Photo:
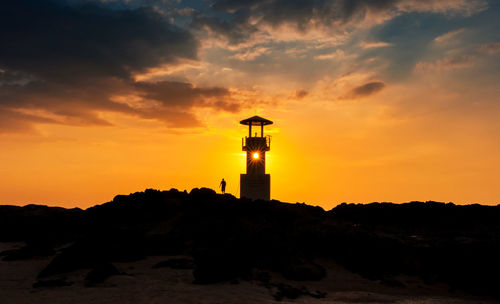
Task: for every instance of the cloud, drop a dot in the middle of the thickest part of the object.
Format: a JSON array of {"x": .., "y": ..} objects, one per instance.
[
  {"x": 461, "y": 60},
  {"x": 184, "y": 95},
  {"x": 366, "y": 89},
  {"x": 447, "y": 63},
  {"x": 300, "y": 94},
  {"x": 450, "y": 35},
  {"x": 243, "y": 18},
  {"x": 338, "y": 54},
  {"x": 301, "y": 13},
  {"x": 50, "y": 39},
  {"x": 374, "y": 44},
  {"x": 490, "y": 48},
  {"x": 249, "y": 54},
  {"x": 66, "y": 62},
  {"x": 282, "y": 31},
  {"x": 237, "y": 30},
  {"x": 168, "y": 102},
  {"x": 14, "y": 121},
  {"x": 450, "y": 7}
]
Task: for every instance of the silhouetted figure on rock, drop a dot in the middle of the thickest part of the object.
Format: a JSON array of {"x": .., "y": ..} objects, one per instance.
[{"x": 223, "y": 186}]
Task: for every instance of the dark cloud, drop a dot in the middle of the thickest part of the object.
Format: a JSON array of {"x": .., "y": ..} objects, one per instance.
[
  {"x": 325, "y": 12},
  {"x": 53, "y": 39},
  {"x": 240, "y": 17},
  {"x": 73, "y": 59},
  {"x": 10, "y": 77},
  {"x": 366, "y": 89},
  {"x": 66, "y": 61},
  {"x": 80, "y": 105},
  {"x": 172, "y": 93},
  {"x": 299, "y": 94},
  {"x": 236, "y": 30},
  {"x": 13, "y": 121},
  {"x": 177, "y": 97}
]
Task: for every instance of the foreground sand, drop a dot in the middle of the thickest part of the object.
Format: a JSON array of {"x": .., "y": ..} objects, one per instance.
[{"x": 143, "y": 284}]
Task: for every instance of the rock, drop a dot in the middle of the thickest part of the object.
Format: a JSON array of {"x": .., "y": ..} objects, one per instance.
[
  {"x": 100, "y": 273},
  {"x": 302, "y": 270},
  {"x": 392, "y": 282},
  {"x": 262, "y": 276},
  {"x": 93, "y": 252},
  {"x": 27, "y": 252},
  {"x": 182, "y": 263},
  {"x": 52, "y": 283},
  {"x": 291, "y": 292},
  {"x": 219, "y": 264}
]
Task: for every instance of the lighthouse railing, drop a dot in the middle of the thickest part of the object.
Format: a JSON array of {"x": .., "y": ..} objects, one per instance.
[{"x": 251, "y": 140}]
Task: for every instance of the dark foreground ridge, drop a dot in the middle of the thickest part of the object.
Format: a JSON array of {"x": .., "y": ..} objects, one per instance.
[{"x": 231, "y": 239}]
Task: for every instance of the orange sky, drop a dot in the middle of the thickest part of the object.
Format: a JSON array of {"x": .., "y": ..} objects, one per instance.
[{"x": 394, "y": 105}]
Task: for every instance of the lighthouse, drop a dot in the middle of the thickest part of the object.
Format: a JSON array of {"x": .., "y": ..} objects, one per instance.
[{"x": 256, "y": 184}]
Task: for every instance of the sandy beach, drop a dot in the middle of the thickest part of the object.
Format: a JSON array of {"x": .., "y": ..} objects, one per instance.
[{"x": 142, "y": 284}]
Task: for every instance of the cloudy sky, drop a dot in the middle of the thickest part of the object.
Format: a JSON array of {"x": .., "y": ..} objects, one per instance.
[{"x": 373, "y": 100}]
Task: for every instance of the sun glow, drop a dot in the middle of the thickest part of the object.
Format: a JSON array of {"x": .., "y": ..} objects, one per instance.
[{"x": 256, "y": 155}]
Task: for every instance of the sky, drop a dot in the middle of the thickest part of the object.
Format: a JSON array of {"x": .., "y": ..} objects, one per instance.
[{"x": 372, "y": 100}]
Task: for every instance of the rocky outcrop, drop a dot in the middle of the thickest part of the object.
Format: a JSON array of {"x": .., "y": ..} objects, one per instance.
[{"x": 229, "y": 238}]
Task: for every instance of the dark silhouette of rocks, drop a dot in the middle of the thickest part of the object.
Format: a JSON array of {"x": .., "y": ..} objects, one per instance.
[
  {"x": 100, "y": 273},
  {"x": 91, "y": 252},
  {"x": 51, "y": 283},
  {"x": 27, "y": 252},
  {"x": 285, "y": 291},
  {"x": 232, "y": 239},
  {"x": 303, "y": 270},
  {"x": 181, "y": 263}
]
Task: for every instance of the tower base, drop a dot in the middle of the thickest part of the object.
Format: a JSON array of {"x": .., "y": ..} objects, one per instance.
[{"x": 255, "y": 186}]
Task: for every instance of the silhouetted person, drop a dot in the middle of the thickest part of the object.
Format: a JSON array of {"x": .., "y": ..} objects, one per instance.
[{"x": 223, "y": 186}]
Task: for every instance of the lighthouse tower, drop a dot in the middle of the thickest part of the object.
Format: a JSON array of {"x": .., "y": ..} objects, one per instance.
[{"x": 256, "y": 184}]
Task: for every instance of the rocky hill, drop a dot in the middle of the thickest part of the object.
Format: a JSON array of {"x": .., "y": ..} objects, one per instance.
[{"x": 226, "y": 239}]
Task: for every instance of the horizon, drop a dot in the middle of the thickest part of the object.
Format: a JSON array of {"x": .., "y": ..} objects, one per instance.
[
  {"x": 372, "y": 101},
  {"x": 333, "y": 206}
]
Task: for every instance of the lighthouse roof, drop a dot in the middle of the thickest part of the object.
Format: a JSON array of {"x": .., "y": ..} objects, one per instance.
[{"x": 256, "y": 121}]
